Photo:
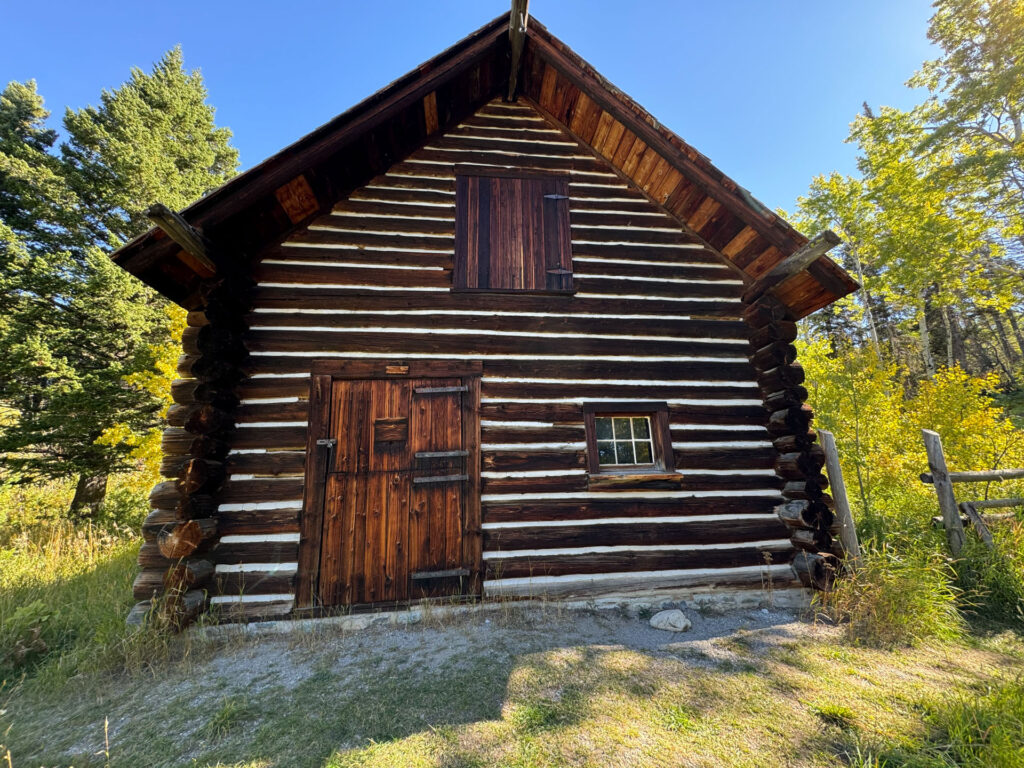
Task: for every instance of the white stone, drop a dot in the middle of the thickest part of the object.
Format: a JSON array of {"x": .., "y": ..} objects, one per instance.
[{"x": 671, "y": 621}]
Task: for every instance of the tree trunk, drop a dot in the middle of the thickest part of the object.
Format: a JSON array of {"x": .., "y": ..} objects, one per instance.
[
  {"x": 1016, "y": 330},
  {"x": 868, "y": 314},
  {"x": 926, "y": 339},
  {"x": 89, "y": 495},
  {"x": 949, "y": 337},
  {"x": 957, "y": 338},
  {"x": 991, "y": 318}
]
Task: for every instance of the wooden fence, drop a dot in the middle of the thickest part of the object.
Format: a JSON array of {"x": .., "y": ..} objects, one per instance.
[{"x": 954, "y": 515}]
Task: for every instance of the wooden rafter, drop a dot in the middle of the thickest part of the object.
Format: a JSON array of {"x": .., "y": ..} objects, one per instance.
[
  {"x": 517, "y": 39},
  {"x": 800, "y": 260},
  {"x": 184, "y": 234}
]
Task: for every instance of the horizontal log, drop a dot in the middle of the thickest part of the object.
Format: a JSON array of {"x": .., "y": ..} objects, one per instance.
[
  {"x": 615, "y": 562},
  {"x": 247, "y": 612},
  {"x": 647, "y": 326},
  {"x": 572, "y": 412},
  {"x": 327, "y": 275},
  {"x": 292, "y": 386},
  {"x": 181, "y": 577},
  {"x": 581, "y": 482},
  {"x": 996, "y": 503},
  {"x": 272, "y": 463},
  {"x": 296, "y": 297},
  {"x": 800, "y": 464},
  {"x": 810, "y": 488},
  {"x": 639, "y": 533},
  {"x": 298, "y": 411},
  {"x": 814, "y": 570},
  {"x": 797, "y": 514},
  {"x": 781, "y": 377},
  {"x": 718, "y": 458},
  {"x": 178, "y": 540},
  {"x": 592, "y": 509},
  {"x": 244, "y": 491},
  {"x": 781, "y": 331},
  {"x": 785, "y": 398},
  {"x": 625, "y": 390},
  {"x": 261, "y": 521},
  {"x": 304, "y": 340},
  {"x": 200, "y": 476},
  {"x": 253, "y": 583},
  {"x": 773, "y": 355},
  {"x": 795, "y": 442},
  {"x": 985, "y": 475},
  {"x": 793, "y": 420},
  {"x": 271, "y": 438},
  {"x": 765, "y": 312},
  {"x": 217, "y": 341},
  {"x": 356, "y": 255}
]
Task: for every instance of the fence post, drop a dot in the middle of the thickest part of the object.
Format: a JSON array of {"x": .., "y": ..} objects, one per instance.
[
  {"x": 944, "y": 490},
  {"x": 847, "y": 530}
]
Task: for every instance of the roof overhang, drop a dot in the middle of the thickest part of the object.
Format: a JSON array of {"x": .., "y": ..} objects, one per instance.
[{"x": 260, "y": 207}]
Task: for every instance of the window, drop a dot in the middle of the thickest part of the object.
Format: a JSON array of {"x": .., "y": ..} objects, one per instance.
[
  {"x": 512, "y": 233},
  {"x": 628, "y": 439},
  {"x": 624, "y": 440}
]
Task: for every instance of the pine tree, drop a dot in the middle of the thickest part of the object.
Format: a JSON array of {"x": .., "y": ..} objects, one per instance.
[{"x": 78, "y": 333}]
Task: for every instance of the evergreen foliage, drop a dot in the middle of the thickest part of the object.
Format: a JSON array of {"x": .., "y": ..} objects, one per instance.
[{"x": 81, "y": 340}]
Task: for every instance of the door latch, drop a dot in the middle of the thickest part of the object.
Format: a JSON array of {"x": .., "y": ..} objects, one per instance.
[
  {"x": 329, "y": 442},
  {"x": 556, "y": 197}
]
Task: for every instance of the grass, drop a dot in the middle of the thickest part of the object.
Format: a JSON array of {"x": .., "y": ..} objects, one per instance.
[
  {"x": 519, "y": 695},
  {"x": 922, "y": 671}
]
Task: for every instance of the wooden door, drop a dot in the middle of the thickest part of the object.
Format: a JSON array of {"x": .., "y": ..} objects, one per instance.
[{"x": 399, "y": 471}]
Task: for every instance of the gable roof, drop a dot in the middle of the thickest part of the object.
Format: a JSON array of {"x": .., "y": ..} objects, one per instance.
[{"x": 260, "y": 207}]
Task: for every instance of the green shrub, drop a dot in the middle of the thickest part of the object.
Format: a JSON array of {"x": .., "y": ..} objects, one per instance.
[{"x": 897, "y": 598}]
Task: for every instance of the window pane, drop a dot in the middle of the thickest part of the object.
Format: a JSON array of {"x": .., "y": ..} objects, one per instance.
[
  {"x": 624, "y": 452},
  {"x": 604, "y": 428},
  {"x": 641, "y": 427},
  {"x": 643, "y": 453},
  {"x": 622, "y": 429},
  {"x": 606, "y": 452}
]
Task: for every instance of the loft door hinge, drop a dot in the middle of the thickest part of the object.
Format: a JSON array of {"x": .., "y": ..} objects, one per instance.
[{"x": 329, "y": 442}]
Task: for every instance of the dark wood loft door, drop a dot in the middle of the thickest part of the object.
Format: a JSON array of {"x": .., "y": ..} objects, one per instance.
[{"x": 398, "y": 464}]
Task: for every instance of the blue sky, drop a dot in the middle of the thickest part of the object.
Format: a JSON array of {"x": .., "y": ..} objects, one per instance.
[{"x": 765, "y": 89}]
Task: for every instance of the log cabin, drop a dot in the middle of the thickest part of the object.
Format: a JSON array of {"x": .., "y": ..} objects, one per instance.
[{"x": 493, "y": 332}]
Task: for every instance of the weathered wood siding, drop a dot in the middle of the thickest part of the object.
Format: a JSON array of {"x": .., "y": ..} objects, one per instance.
[{"x": 655, "y": 317}]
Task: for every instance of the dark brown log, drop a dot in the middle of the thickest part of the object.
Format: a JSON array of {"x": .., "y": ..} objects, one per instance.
[
  {"x": 765, "y": 312},
  {"x": 214, "y": 340},
  {"x": 164, "y": 495},
  {"x": 781, "y": 377},
  {"x": 785, "y": 398},
  {"x": 781, "y": 331},
  {"x": 180, "y": 610},
  {"x": 773, "y": 355},
  {"x": 181, "y": 577},
  {"x": 196, "y": 318},
  {"x": 178, "y": 540},
  {"x": 800, "y": 464},
  {"x": 198, "y": 505},
  {"x": 535, "y": 511},
  {"x": 254, "y": 583},
  {"x": 207, "y": 447},
  {"x": 182, "y": 391},
  {"x": 206, "y": 419},
  {"x": 796, "y": 514},
  {"x": 806, "y": 540},
  {"x": 814, "y": 570},
  {"x": 634, "y": 533},
  {"x": 621, "y": 562},
  {"x": 794, "y": 420},
  {"x": 797, "y": 442},
  {"x": 804, "y": 489},
  {"x": 200, "y": 476}
]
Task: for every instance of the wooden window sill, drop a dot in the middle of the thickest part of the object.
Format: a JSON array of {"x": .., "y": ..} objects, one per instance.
[{"x": 634, "y": 481}]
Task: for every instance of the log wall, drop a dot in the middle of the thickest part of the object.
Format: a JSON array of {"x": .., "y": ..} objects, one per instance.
[{"x": 656, "y": 316}]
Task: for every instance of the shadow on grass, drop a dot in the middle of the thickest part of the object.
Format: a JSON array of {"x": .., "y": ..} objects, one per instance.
[{"x": 402, "y": 697}]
